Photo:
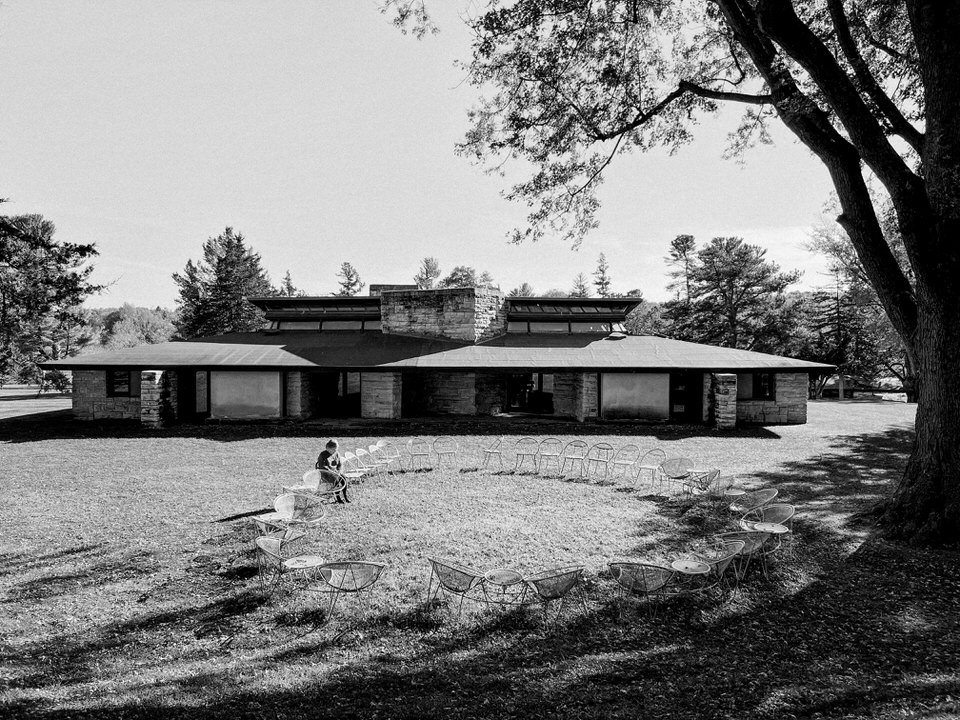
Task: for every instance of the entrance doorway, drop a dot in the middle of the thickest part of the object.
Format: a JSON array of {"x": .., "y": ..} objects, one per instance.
[
  {"x": 686, "y": 397},
  {"x": 530, "y": 393}
]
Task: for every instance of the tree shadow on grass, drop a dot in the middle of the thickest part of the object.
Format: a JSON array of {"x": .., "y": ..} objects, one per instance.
[{"x": 116, "y": 567}]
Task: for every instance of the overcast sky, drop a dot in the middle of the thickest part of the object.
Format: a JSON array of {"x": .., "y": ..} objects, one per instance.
[{"x": 323, "y": 134}]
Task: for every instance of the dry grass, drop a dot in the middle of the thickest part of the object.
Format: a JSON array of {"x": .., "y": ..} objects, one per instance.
[{"x": 126, "y": 594}]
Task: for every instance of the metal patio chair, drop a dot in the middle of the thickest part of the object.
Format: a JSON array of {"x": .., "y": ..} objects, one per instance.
[
  {"x": 718, "y": 556},
  {"x": 776, "y": 514},
  {"x": 753, "y": 500},
  {"x": 378, "y": 456},
  {"x": 599, "y": 456},
  {"x": 625, "y": 461},
  {"x": 367, "y": 464},
  {"x": 419, "y": 450},
  {"x": 550, "y": 449},
  {"x": 647, "y": 580},
  {"x": 274, "y": 562},
  {"x": 324, "y": 484},
  {"x": 554, "y": 585},
  {"x": 351, "y": 469},
  {"x": 390, "y": 453},
  {"x": 675, "y": 470},
  {"x": 574, "y": 453},
  {"x": 526, "y": 447},
  {"x": 702, "y": 483},
  {"x": 753, "y": 543},
  {"x": 346, "y": 577},
  {"x": 446, "y": 448},
  {"x": 454, "y": 579},
  {"x": 494, "y": 449},
  {"x": 649, "y": 464}
]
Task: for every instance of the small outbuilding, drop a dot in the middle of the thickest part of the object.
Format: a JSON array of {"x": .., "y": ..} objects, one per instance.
[{"x": 466, "y": 351}]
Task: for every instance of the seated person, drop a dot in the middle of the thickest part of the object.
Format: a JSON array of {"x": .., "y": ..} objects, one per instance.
[{"x": 329, "y": 460}]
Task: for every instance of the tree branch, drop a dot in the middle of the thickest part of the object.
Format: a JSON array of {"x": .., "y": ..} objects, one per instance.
[
  {"x": 868, "y": 82},
  {"x": 701, "y": 91}
]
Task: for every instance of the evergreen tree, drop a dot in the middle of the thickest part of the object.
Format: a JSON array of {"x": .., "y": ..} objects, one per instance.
[
  {"x": 350, "y": 284},
  {"x": 42, "y": 284},
  {"x": 213, "y": 291},
  {"x": 681, "y": 258},
  {"x": 288, "y": 289},
  {"x": 601, "y": 276},
  {"x": 525, "y": 290},
  {"x": 737, "y": 299},
  {"x": 429, "y": 273},
  {"x": 580, "y": 287}
]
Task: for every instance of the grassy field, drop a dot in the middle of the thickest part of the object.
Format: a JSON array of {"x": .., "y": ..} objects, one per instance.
[{"x": 127, "y": 591}]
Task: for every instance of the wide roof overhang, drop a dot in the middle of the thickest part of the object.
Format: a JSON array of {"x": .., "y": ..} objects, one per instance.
[{"x": 371, "y": 351}]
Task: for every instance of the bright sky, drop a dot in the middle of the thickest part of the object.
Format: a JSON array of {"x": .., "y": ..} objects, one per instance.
[{"x": 323, "y": 134}]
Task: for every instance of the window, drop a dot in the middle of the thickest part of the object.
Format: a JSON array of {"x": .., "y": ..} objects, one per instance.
[
  {"x": 517, "y": 327},
  {"x": 590, "y": 327},
  {"x": 549, "y": 327},
  {"x": 298, "y": 325},
  {"x": 343, "y": 325},
  {"x": 371, "y": 325},
  {"x": 122, "y": 383},
  {"x": 756, "y": 386}
]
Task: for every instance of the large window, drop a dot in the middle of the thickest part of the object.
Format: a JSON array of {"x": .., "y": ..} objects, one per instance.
[
  {"x": 123, "y": 383},
  {"x": 756, "y": 386}
]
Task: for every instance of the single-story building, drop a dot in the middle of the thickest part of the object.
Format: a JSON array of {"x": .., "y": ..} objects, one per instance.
[{"x": 466, "y": 351}]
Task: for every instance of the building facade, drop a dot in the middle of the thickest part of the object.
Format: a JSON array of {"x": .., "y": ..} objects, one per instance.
[{"x": 466, "y": 351}]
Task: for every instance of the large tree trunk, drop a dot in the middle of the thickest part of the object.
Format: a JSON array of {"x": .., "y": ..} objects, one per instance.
[{"x": 926, "y": 505}]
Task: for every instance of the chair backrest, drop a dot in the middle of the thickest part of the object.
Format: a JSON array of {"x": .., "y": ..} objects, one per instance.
[
  {"x": 640, "y": 577},
  {"x": 295, "y": 506},
  {"x": 551, "y": 447},
  {"x": 455, "y": 578},
  {"x": 705, "y": 481},
  {"x": 779, "y": 513},
  {"x": 653, "y": 458},
  {"x": 677, "y": 467},
  {"x": 718, "y": 556},
  {"x": 311, "y": 477},
  {"x": 601, "y": 451},
  {"x": 556, "y": 583},
  {"x": 445, "y": 445},
  {"x": 755, "y": 499},
  {"x": 331, "y": 482},
  {"x": 351, "y": 575},
  {"x": 575, "y": 450},
  {"x": 526, "y": 446},
  {"x": 269, "y": 550},
  {"x": 389, "y": 450},
  {"x": 265, "y": 527},
  {"x": 752, "y": 540},
  {"x": 495, "y": 446},
  {"x": 627, "y": 455},
  {"x": 418, "y": 446}
]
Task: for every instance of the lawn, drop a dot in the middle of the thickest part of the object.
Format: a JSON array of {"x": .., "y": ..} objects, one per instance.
[{"x": 128, "y": 591}]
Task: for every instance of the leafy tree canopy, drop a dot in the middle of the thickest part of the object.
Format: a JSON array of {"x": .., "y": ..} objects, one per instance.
[
  {"x": 463, "y": 276},
  {"x": 350, "y": 283}
]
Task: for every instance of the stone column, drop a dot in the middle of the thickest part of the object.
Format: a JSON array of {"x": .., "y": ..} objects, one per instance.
[
  {"x": 150, "y": 381},
  {"x": 724, "y": 395},
  {"x": 587, "y": 396},
  {"x": 380, "y": 395}
]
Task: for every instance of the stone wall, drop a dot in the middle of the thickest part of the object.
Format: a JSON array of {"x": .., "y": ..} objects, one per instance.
[
  {"x": 576, "y": 395},
  {"x": 158, "y": 397},
  {"x": 707, "y": 397},
  {"x": 90, "y": 401},
  {"x": 469, "y": 314},
  {"x": 380, "y": 395},
  {"x": 449, "y": 393},
  {"x": 588, "y": 396},
  {"x": 789, "y": 408},
  {"x": 724, "y": 400},
  {"x": 491, "y": 393}
]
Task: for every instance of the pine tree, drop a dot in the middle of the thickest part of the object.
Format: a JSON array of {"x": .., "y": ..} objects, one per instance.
[
  {"x": 287, "y": 288},
  {"x": 601, "y": 276},
  {"x": 580, "y": 287},
  {"x": 525, "y": 290},
  {"x": 429, "y": 273},
  {"x": 213, "y": 291},
  {"x": 350, "y": 284}
]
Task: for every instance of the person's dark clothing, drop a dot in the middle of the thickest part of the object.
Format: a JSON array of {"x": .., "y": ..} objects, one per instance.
[{"x": 331, "y": 461}]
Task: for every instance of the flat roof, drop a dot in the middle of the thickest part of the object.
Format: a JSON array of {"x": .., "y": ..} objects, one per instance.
[{"x": 306, "y": 350}]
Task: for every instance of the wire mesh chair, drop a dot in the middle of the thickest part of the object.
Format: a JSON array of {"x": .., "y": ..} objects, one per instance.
[
  {"x": 753, "y": 500},
  {"x": 454, "y": 579},
  {"x": 274, "y": 561},
  {"x": 390, "y": 453},
  {"x": 625, "y": 461},
  {"x": 599, "y": 456},
  {"x": 702, "y": 483},
  {"x": 649, "y": 465},
  {"x": 776, "y": 514},
  {"x": 753, "y": 543},
  {"x": 298, "y": 509},
  {"x": 446, "y": 448},
  {"x": 419, "y": 450},
  {"x": 377, "y": 456},
  {"x": 644, "y": 579},
  {"x": 367, "y": 464},
  {"x": 494, "y": 449},
  {"x": 288, "y": 535},
  {"x": 554, "y": 585},
  {"x": 324, "y": 484},
  {"x": 347, "y": 577},
  {"x": 574, "y": 453},
  {"x": 351, "y": 468},
  {"x": 718, "y": 556},
  {"x": 526, "y": 447},
  {"x": 550, "y": 449},
  {"x": 675, "y": 470}
]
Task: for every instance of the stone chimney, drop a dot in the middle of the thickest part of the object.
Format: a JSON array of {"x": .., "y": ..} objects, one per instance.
[{"x": 468, "y": 314}]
